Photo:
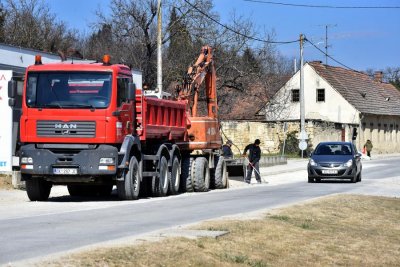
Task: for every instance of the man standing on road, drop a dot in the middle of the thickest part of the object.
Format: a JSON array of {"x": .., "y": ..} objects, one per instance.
[{"x": 254, "y": 158}]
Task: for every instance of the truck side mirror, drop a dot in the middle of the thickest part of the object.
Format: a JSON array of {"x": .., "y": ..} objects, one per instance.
[
  {"x": 11, "y": 102},
  {"x": 12, "y": 89},
  {"x": 131, "y": 91}
]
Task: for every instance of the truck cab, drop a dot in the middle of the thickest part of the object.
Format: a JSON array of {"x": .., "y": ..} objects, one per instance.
[{"x": 74, "y": 120}]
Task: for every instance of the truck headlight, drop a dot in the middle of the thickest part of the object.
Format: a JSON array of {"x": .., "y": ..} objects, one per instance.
[
  {"x": 349, "y": 163},
  {"x": 107, "y": 161},
  {"x": 26, "y": 160},
  {"x": 313, "y": 163}
]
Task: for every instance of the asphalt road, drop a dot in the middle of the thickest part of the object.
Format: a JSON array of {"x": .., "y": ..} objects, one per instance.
[{"x": 37, "y": 229}]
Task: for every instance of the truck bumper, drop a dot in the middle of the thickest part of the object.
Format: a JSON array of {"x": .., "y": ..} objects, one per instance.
[{"x": 68, "y": 161}]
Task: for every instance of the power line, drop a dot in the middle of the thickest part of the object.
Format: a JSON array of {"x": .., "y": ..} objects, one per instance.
[
  {"x": 237, "y": 32},
  {"x": 316, "y": 47},
  {"x": 322, "y": 6}
]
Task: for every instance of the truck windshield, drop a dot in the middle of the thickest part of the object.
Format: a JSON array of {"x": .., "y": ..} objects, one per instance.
[{"x": 68, "y": 90}]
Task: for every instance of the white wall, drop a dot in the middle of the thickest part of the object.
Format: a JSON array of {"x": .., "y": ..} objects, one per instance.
[
  {"x": 6, "y": 123},
  {"x": 21, "y": 57},
  {"x": 334, "y": 109}
]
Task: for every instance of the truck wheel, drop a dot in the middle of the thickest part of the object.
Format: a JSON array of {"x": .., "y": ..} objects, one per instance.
[
  {"x": 38, "y": 189},
  {"x": 221, "y": 174},
  {"x": 160, "y": 183},
  {"x": 175, "y": 180},
  {"x": 186, "y": 175},
  {"x": 129, "y": 188},
  {"x": 201, "y": 175}
]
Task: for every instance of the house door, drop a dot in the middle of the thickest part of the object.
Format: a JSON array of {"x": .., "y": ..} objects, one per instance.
[{"x": 343, "y": 135}]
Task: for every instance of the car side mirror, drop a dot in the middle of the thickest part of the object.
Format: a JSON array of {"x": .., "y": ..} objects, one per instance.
[
  {"x": 358, "y": 155},
  {"x": 131, "y": 91}
]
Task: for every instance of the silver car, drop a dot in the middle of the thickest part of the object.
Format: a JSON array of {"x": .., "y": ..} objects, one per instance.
[{"x": 335, "y": 160}]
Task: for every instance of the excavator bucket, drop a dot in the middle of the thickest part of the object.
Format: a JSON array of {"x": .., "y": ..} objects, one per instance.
[{"x": 236, "y": 169}]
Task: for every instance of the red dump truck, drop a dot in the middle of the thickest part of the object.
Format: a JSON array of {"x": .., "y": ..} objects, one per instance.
[{"x": 88, "y": 127}]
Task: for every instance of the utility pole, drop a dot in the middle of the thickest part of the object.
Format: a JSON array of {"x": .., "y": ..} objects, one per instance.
[
  {"x": 303, "y": 135},
  {"x": 159, "y": 52}
]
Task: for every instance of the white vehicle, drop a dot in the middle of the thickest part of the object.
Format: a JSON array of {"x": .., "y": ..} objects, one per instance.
[{"x": 6, "y": 140}]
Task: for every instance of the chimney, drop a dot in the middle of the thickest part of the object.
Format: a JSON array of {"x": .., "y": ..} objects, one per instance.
[{"x": 378, "y": 75}]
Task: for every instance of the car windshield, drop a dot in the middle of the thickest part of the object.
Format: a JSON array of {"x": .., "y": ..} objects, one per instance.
[
  {"x": 333, "y": 149},
  {"x": 68, "y": 90}
]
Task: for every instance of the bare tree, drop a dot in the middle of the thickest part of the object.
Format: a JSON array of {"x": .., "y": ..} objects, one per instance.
[
  {"x": 29, "y": 23},
  {"x": 246, "y": 70},
  {"x": 2, "y": 22},
  {"x": 392, "y": 75}
]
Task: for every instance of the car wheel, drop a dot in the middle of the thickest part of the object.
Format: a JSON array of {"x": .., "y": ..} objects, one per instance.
[
  {"x": 310, "y": 180},
  {"x": 354, "y": 178},
  {"x": 359, "y": 177}
]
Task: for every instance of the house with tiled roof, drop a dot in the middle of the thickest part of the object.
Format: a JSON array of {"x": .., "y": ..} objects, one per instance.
[{"x": 337, "y": 101}]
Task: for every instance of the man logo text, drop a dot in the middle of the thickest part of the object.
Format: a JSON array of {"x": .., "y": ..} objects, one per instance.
[{"x": 65, "y": 126}]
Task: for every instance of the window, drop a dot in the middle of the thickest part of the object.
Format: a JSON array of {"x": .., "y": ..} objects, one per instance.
[
  {"x": 79, "y": 90},
  {"x": 122, "y": 91},
  {"x": 320, "y": 95},
  {"x": 295, "y": 95}
]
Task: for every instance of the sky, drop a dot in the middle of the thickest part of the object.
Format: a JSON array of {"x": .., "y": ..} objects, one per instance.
[{"x": 358, "y": 38}]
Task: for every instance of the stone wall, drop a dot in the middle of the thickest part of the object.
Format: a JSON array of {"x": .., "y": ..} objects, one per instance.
[
  {"x": 272, "y": 134},
  {"x": 383, "y": 131}
]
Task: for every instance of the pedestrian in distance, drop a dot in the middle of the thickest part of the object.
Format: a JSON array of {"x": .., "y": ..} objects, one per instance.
[
  {"x": 226, "y": 149},
  {"x": 368, "y": 147},
  {"x": 254, "y": 160}
]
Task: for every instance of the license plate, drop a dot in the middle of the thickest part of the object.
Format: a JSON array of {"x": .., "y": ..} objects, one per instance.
[
  {"x": 329, "y": 171},
  {"x": 65, "y": 171}
]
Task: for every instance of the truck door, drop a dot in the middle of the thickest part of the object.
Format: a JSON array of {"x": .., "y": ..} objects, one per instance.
[{"x": 126, "y": 116}]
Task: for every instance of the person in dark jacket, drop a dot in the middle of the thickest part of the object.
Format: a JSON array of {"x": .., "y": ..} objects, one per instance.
[
  {"x": 226, "y": 149},
  {"x": 254, "y": 159},
  {"x": 368, "y": 147}
]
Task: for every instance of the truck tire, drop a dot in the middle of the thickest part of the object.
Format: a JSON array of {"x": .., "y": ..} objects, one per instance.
[
  {"x": 175, "y": 179},
  {"x": 129, "y": 188},
  {"x": 201, "y": 175},
  {"x": 186, "y": 175},
  {"x": 221, "y": 174},
  {"x": 160, "y": 183},
  {"x": 38, "y": 189}
]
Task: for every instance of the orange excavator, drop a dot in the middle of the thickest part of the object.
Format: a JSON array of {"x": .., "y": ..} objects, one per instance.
[{"x": 204, "y": 131}]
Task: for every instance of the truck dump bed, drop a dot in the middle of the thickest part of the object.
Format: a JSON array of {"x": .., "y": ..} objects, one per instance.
[{"x": 160, "y": 118}]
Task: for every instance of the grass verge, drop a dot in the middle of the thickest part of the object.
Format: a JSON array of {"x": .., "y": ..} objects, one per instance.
[
  {"x": 342, "y": 230},
  {"x": 6, "y": 182}
]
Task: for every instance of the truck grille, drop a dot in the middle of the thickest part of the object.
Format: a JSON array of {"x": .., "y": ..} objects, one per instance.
[{"x": 66, "y": 129}]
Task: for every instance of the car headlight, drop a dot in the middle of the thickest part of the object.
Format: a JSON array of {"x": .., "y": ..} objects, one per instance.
[
  {"x": 313, "y": 163},
  {"x": 349, "y": 163},
  {"x": 107, "y": 161},
  {"x": 26, "y": 160}
]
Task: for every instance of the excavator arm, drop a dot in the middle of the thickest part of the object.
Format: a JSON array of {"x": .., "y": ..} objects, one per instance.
[{"x": 202, "y": 69}]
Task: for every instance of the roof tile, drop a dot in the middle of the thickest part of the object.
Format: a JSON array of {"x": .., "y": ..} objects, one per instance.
[{"x": 365, "y": 94}]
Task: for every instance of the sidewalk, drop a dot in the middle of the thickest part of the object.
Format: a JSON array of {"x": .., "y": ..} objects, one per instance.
[{"x": 280, "y": 174}]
